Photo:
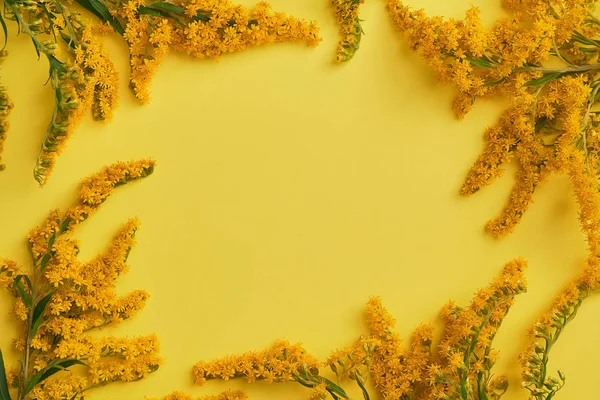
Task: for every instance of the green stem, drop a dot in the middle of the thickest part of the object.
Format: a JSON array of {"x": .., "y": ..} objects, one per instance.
[
  {"x": 550, "y": 340},
  {"x": 27, "y": 352},
  {"x": 363, "y": 388},
  {"x": 564, "y": 70}
]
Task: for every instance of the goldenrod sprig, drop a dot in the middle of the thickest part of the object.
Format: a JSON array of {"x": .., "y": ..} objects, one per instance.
[
  {"x": 6, "y": 106},
  {"x": 346, "y": 13},
  {"x": 63, "y": 299},
  {"x": 229, "y": 395},
  {"x": 548, "y": 329},
  {"x": 354, "y": 363},
  {"x": 82, "y": 75},
  {"x": 458, "y": 368}
]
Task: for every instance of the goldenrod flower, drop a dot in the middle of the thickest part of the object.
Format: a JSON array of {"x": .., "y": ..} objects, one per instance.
[
  {"x": 550, "y": 117},
  {"x": 63, "y": 299},
  {"x": 6, "y": 106},
  {"x": 283, "y": 362},
  {"x": 346, "y": 13},
  {"x": 211, "y": 28},
  {"x": 464, "y": 357},
  {"x": 83, "y": 77},
  {"x": 229, "y": 395}
]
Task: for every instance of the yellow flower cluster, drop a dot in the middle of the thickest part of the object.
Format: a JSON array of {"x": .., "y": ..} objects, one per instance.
[
  {"x": 8, "y": 271},
  {"x": 281, "y": 363},
  {"x": 96, "y": 188},
  {"x": 6, "y": 106},
  {"x": 88, "y": 80},
  {"x": 464, "y": 357},
  {"x": 547, "y": 330},
  {"x": 459, "y": 367},
  {"x": 290, "y": 363},
  {"x": 55, "y": 389},
  {"x": 353, "y": 362},
  {"x": 82, "y": 75},
  {"x": 551, "y": 125},
  {"x": 549, "y": 117},
  {"x": 346, "y": 13},
  {"x": 229, "y": 395},
  {"x": 396, "y": 371},
  {"x": 211, "y": 28},
  {"x": 63, "y": 299}
]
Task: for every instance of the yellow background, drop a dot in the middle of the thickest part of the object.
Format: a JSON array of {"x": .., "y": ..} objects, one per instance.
[{"x": 289, "y": 190}]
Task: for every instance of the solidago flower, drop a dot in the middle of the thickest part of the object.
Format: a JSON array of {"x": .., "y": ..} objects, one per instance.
[
  {"x": 550, "y": 115},
  {"x": 6, "y": 106},
  {"x": 459, "y": 367},
  {"x": 285, "y": 362},
  {"x": 396, "y": 370},
  {"x": 229, "y": 395},
  {"x": 201, "y": 28},
  {"x": 83, "y": 77},
  {"x": 81, "y": 74},
  {"x": 62, "y": 299},
  {"x": 550, "y": 126},
  {"x": 346, "y": 13},
  {"x": 281, "y": 363},
  {"x": 351, "y": 363},
  {"x": 548, "y": 328}
]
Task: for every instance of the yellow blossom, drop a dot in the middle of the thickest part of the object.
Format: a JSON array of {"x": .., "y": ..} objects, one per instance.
[{"x": 62, "y": 299}]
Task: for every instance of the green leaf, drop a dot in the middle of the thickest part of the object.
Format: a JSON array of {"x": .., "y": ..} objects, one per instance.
[
  {"x": 52, "y": 239},
  {"x": 65, "y": 224},
  {"x": 56, "y": 64},
  {"x": 4, "y": 28},
  {"x": 59, "y": 97},
  {"x": 26, "y": 297},
  {"x": 45, "y": 260},
  {"x": 365, "y": 391},
  {"x": 496, "y": 83},
  {"x": 69, "y": 363},
  {"x": 4, "y": 394},
  {"x": 167, "y": 7},
  {"x": 143, "y": 10},
  {"x": 68, "y": 40},
  {"x": 154, "y": 12},
  {"x": 36, "y": 48},
  {"x": 479, "y": 63},
  {"x": 332, "y": 387},
  {"x": 98, "y": 8},
  {"x": 201, "y": 17},
  {"x": 52, "y": 369},
  {"x": 40, "y": 307},
  {"x": 544, "y": 79},
  {"x": 26, "y": 278},
  {"x": 463, "y": 390}
]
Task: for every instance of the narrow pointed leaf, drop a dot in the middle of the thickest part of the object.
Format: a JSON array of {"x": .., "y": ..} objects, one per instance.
[
  {"x": 99, "y": 9},
  {"x": 4, "y": 395},
  {"x": 479, "y": 63},
  {"x": 544, "y": 79},
  {"x": 56, "y": 64},
  {"x": 5, "y": 30},
  {"x": 26, "y": 297},
  {"x": 40, "y": 307},
  {"x": 45, "y": 260},
  {"x": 167, "y": 7}
]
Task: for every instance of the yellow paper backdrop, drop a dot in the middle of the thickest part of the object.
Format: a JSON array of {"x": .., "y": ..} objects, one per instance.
[{"x": 289, "y": 190}]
